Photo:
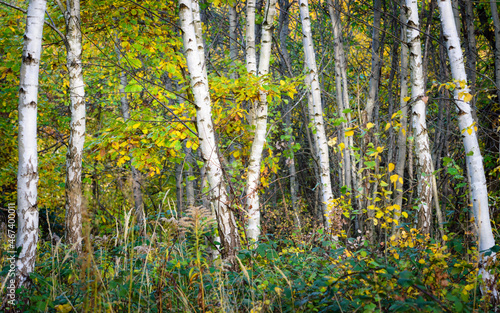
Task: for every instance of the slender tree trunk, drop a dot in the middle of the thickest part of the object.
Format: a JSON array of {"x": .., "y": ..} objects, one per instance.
[
  {"x": 286, "y": 64},
  {"x": 77, "y": 129},
  {"x": 228, "y": 231},
  {"x": 376, "y": 65},
  {"x": 179, "y": 190},
  {"x": 190, "y": 201},
  {"x": 342, "y": 89},
  {"x": 496, "y": 24},
  {"x": 253, "y": 180},
  {"x": 233, "y": 44},
  {"x": 400, "y": 165},
  {"x": 479, "y": 192},
  {"x": 333, "y": 215},
  {"x": 251, "y": 56},
  {"x": 419, "y": 101},
  {"x": 27, "y": 173},
  {"x": 136, "y": 175}
]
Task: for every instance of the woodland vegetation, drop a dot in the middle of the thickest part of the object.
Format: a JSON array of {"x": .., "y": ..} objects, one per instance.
[{"x": 249, "y": 156}]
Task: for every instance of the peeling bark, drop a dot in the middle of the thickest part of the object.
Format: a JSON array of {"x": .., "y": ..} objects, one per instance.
[
  {"x": 333, "y": 215},
  {"x": 419, "y": 101},
  {"x": 27, "y": 173},
  {"x": 260, "y": 122},
  {"x": 474, "y": 160},
  {"x": 228, "y": 231}
]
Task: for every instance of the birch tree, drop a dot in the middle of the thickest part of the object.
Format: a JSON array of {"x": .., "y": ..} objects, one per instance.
[
  {"x": 419, "y": 100},
  {"x": 228, "y": 231},
  {"x": 474, "y": 160},
  {"x": 73, "y": 221},
  {"x": 27, "y": 173},
  {"x": 342, "y": 90},
  {"x": 312, "y": 82},
  {"x": 260, "y": 122}
]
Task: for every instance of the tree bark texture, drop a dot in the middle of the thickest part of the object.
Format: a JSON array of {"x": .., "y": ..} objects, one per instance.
[{"x": 27, "y": 173}]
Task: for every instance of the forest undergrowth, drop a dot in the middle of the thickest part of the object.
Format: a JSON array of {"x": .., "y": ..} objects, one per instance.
[{"x": 175, "y": 268}]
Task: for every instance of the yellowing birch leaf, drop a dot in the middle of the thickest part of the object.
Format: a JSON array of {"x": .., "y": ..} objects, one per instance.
[
  {"x": 369, "y": 125},
  {"x": 387, "y": 126},
  {"x": 349, "y": 133},
  {"x": 394, "y": 178},
  {"x": 404, "y": 214},
  {"x": 469, "y": 131},
  {"x": 406, "y": 99},
  {"x": 391, "y": 167}
]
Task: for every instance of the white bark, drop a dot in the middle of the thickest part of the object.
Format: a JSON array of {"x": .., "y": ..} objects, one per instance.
[
  {"x": 199, "y": 84},
  {"x": 342, "y": 88},
  {"x": 251, "y": 54},
  {"x": 250, "y": 38},
  {"x": 27, "y": 173},
  {"x": 77, "y": 127},
  {"x": 418, "y": 100},
  {"x": 332, "y": 216},
  {"x": 253, "y": 179},
  {"x": 479, "y": 192}
]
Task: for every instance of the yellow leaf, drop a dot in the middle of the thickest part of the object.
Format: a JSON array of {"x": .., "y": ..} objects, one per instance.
[
  {"x": 404, "y": 214},
  {"x": 136, "y": 125},
  {"x": 379, "y": 214},
  {"x": 406, "y": 99},
  {"x": 396, "y": 256},
  {"x": 387, "y": 126},
  {"x": 421, "y": 261},
  {"x": 349, "y": 133},
  {"x": 64, "y": 308},
  {"x": 332, "y": 141},
  {"x": 236, "y": 153},
  {"x": 341, "y": 146},
  {"x": 467, "y": 97},
  {"x": 394, "y": 178},
  {"x": 400, "y": 180},
  {"x": 189, "y": 144},
  {"x": 369, "y": 125},
  {"x": 469, "y": 130},
  {"x": 445, "y": 238},
  {"x": 391, "y": 167}
]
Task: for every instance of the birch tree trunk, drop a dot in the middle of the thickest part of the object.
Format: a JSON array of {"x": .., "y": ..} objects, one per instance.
[
  {"x": 474, "y": 160},
  {"x": 496, "y": 24},
  {"x": 251, "y": 55},
  {"x": 400, "y": 164},
  {"x": 342, "y": 89},
  {"x": 27, "y": 173},
  {"x": 254, "y": 163},
  {"x": 228, "y": 231},
  {"x": 333, "y": 216},
  {"x": 74, "y": 156},
  {"x": 419, "y": 101}
]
